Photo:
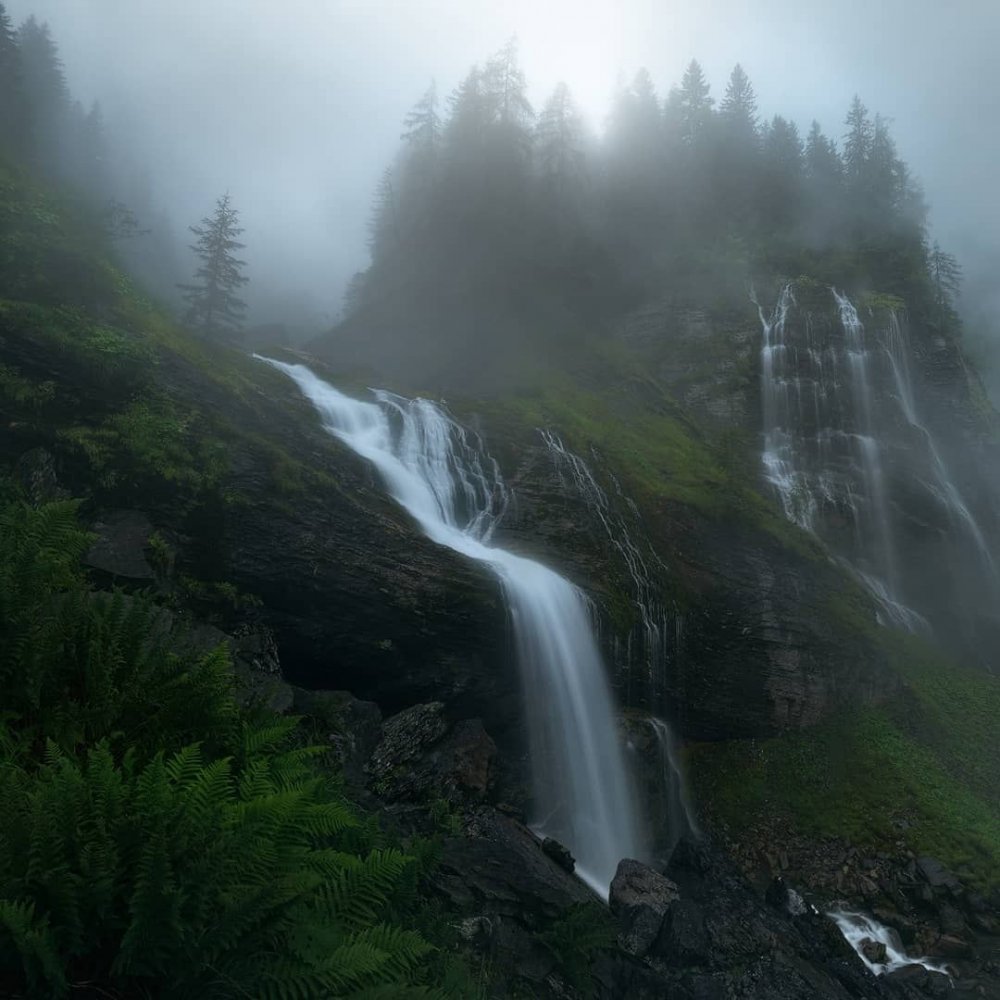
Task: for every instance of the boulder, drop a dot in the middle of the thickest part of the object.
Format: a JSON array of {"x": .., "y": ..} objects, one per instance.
[
  {"x": 120, "y": 546},
  {"x": 936, "y": 875},
  {"x": 421, "y": 759},
  {"x": 639, "y": 899}
]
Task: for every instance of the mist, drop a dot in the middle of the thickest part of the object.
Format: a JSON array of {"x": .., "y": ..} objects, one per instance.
[{"x": 296, "y": 109}]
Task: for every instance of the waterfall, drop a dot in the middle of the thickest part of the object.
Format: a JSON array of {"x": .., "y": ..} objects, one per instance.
[
  {"x": 822, "y": 443},
  {"x": 943, "y": 486},
  {"x": 842, "y": 433},
  {"x": 680, "y": 816},
  {"x": 860, "y": 930},
  {"x": 652, "y": 623},
  {"x": 433, "y": 469},
  {"x": 670, "y": 812}
]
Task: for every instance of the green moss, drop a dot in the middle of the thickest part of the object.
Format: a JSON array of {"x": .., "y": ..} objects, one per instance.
[
  {"x": 155, "y": 438},
  {"x": 924, "y": 767},
  {"x": 880, "y": 302},
  {"x": 23, "y": 392}
]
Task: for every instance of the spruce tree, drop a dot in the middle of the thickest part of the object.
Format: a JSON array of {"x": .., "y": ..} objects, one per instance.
[
  {"x": 946, "y": 280},
  {"x": 857, "y": 140},
  {"x": 738, "y": 109},
  {"x": 694, "y": 103},
  {"x": 213, "y": 306},
  {"x": 422, "y": 125},
  {"x": 46, "y": 94},
  {"x": 12, "y": 109},
  {"x": 559, "y": 138}
]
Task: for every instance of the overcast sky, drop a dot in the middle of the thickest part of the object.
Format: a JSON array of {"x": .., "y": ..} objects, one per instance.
[{"x": 295, "y": 105}]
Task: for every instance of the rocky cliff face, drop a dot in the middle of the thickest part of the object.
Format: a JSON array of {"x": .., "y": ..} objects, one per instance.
[
  {"x": 751, "y": 637},
  {"x": 291, "y": 521}
]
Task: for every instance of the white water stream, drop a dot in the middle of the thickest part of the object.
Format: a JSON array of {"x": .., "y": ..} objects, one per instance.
[
  {"x": 433, "y": 469},
  {"x": 827, "y": 420},
  {"x": 858, "y": 929}
]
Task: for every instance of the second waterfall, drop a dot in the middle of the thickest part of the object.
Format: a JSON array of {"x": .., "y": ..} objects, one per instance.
[{"x": 431, "y": 467}]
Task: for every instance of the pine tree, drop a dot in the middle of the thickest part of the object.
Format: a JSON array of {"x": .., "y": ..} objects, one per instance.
[
  {"x": 857, "y": 140},
  {"x": 559, "y": 141},
  {"x": 738, "y": 110},
  {"x": 694, "y": 104},
  {"x": 822, "y": 161},
  {"x": 422, "y": 125},
  {"x": 635, "y": 128},
  {"x": 384, "y": 233},
  {"x": 213, "y": 307},
  {"x": 781, "y": 186},
  {"x": 883, "y": 176},
  {"x": 12, "y": 107},
  {"x": 46, "y": 94},
  {"x": 506, "y": 90},
  {"x": 946, "y": 279}
]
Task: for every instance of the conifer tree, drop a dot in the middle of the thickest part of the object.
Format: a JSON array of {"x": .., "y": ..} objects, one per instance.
[
  {"x": 694, "y": 104},
  {"x": 12, "y": 109},
  {"x": 857, "y": 140},
  {"x": 946, "y": 279},
  {"x": 46, "y": 93},
  {"x": 422, "y": 125},
  {"x": 559, "y": 141},
  {"x": 738, "y": 110},
  {"x": 213, "y": 306}
]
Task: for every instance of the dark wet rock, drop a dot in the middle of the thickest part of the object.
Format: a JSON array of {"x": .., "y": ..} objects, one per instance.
[
  {"x": 935, "y": 874},
  {"x": 951, "y": 919},
  {"x": 405, "y": 735},
  {"x": 874, "y": 951},
  {"x": 421, "y": 758},
  {"x": 258, "y": 668},
  {"x": 35, "y": 472},
  {"x": 639, "y": 898},
  {"x": 783, "y": 897},
  {"x": 559, "y": 853},
  {"x": 952, "y": 946},
  {"x": 904, "y": 926},
  {"x": 473, "y": 757},
  {"x": 916, "y": 981},
  {"x": 353, "y": 728},
  {"x": 121, "y": 545},
  {"x": 683, "y": 940},
  {"x": 498, "y": 867}
]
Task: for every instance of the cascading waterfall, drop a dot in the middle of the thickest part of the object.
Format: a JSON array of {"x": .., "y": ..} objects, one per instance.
[
  {"x": 652, "y": 624},
  {"x": 943, "y": 486},
  {"x": 674, "y": 816},
  {"x": 821, "y": 447},
  {"x": 859, "y": 929},
  {"x": 679, "y": 819},
  {"x": 881, "y": 542},
  {"x": 435, "y": 471}
]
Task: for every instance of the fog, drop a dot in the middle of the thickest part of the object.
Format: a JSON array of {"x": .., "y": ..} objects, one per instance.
[{"x": 295, "y": 108}]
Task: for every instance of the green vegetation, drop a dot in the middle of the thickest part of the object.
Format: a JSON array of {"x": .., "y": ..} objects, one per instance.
[
  {"x": 924, "y": 768},
  {"x": 155, "y": 837},
  {"x": 575, "y": 938},
  {"x": 658, "y": 453}
]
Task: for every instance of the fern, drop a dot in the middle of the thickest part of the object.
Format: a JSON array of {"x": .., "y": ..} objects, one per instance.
[{"x": 154, "y": 837}]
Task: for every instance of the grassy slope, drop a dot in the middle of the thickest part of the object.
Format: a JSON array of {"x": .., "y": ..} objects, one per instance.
[
  {"x": 90, "y": 367},
  {"x": 924, "y": 768}
]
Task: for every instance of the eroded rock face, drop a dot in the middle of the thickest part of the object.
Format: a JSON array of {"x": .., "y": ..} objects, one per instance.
[
  {"x": 421, "y": 758},
  {"x": 757, "y": 647}
]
